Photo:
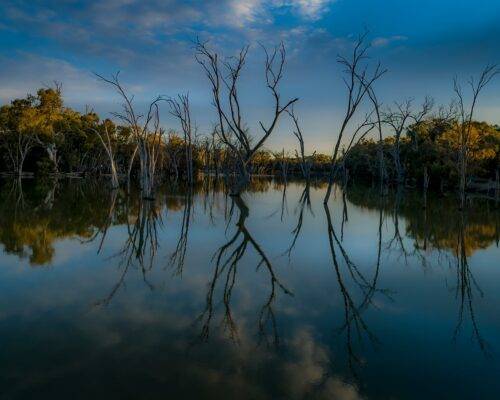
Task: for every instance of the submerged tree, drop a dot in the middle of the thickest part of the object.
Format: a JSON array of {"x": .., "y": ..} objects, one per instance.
[
  {"x": 106, "y": 142},
  {"x": 224, "y": 78},
  {"x": 399, "y": 119},
  {"x": 464, "y": 123},
  {"x": 146, "y": 131},
  {"x": 180, "y": 108},
  {"x": 358, "y": 82},
  {"x": 305, "y": 162}
]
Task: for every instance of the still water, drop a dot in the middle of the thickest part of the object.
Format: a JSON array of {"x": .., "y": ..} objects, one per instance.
[{"x": 198, "y": 295}]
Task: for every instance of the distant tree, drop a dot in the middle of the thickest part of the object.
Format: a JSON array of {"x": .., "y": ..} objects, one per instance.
[
  {"x": 106, "y": 134},
  {"x": 399, "y": 119},
  {"x": 18, "y": 123},
  {"x": 464, "y": 123}
]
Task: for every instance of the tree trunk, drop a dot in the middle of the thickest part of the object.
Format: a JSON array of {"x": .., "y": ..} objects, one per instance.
[
  {"x": 497, "y": 187},
  {"x": 130, "y": 165},
  {"x": 463, "y": 178},
  {"x": 425, "y": 185}
]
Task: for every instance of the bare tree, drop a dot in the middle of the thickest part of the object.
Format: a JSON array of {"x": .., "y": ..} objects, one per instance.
[
  {"x": 224, "y": 78},
  {"x": 358, "y": 82},
  {"x": 108, "y": 147},
  {"x": 146, "y": 132},
  {"x": 305, "y": 163},
  {"x": 50, "y": 146},
  {"x": 399, "y": 118},
  {"x": 464, "y": 124},
  {"x": 282, "y": 158},
  {"x": 180, "y": 109},
  {"x": 131, "y": 164},
  {"x": 173, "y": 154},
  {"x": 378, "y": 123},
  {"x": 18, "y": 145}
]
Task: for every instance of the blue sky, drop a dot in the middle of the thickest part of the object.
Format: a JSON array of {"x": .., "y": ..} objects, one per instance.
[{"x": 422, "y": 43}]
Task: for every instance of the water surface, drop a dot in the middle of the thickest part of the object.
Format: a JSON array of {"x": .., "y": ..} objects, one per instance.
[{"x": 271, "y": 296}]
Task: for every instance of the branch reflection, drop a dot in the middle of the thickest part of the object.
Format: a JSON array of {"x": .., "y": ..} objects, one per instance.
[{"x": 227, "y": 258}]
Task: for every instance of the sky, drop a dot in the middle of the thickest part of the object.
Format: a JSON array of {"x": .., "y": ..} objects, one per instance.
[{"x": 423, "y": 44}]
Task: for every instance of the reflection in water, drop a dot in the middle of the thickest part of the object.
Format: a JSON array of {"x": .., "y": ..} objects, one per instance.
[
  {"x": 236, "y": 245},
  {"x": 141, "y": 244},
  {"x": 227, "y": 259},
  {"x": 303, "y": 203},
  {"x": 178, "y": 256},
  {"x": 34, "y": 217},
  {"x": 354, "y": 324},
  {"x": 436, "y": 225},
  {"x": 466, "y": 285}
]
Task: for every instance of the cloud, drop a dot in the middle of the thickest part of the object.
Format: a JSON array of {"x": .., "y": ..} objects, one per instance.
[
  {"x": 246, "y": 11},
  {"x": 385, "y": 41},
  {"x": 312, "y": 9}
]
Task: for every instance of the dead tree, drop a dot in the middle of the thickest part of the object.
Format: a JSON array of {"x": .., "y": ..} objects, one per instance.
[
  {"x": 180, "y": 109},
  {"x": 224, "y": 79},
  {"x": 464, "y": 123},
  {"x": 108, "y": 147},
  {"x": 146, "y": 132},
  {"x": 17, "y": 145},
  {"x": 282, "y": 158},
  {"x": 305, "y": 163},
  {"x": 378, "y": 123},
  {"x": 399, "y": 118},
  {"x": 425, "y": 184},
  {"x": 173, "y": 154},
  {"x": 50, "y": 147},
  {"x": 358, "y": 82}
]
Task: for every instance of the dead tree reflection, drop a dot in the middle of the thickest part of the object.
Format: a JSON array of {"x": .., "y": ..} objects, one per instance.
[
  {"x": 303, "y": 204},
  {"x": 141, "y": 246},
  {"x": 466, "y": 285},
  {"x": 178, "y": 256},
  {"x": 103, "y": 230},
  {"x": 227, "y": 259},
  {"x": 397, "y": 240},
  {"x": 354, "y": 326}
]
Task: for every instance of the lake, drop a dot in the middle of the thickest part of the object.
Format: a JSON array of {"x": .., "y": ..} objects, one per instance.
[{"x": 269, "y": 296}]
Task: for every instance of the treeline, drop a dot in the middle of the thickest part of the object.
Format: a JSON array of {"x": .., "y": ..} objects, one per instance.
[
  {"x": 39, "y": 135},
  {"x": 428, "y": 155},
  {"x": 411, "y": 145}
]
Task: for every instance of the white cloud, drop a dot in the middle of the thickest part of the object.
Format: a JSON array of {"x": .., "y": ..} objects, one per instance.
[
  {"x": 385, "y": 41},
  {"x": 313, "y": 9},
  {"x": 307, "y": 9},
  {"x": 244, "y": 11}
]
